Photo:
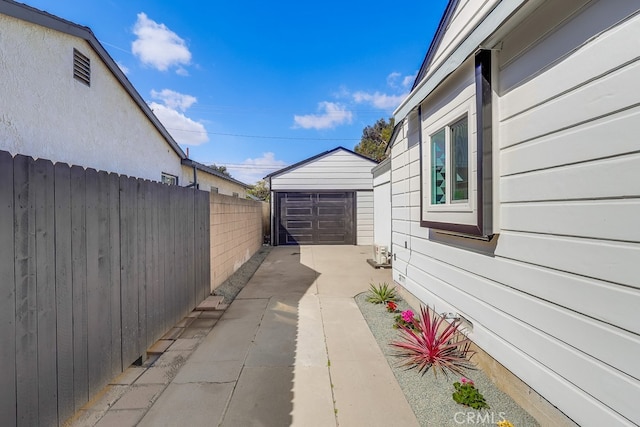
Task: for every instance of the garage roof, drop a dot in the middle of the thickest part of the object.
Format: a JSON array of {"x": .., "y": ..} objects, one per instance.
[{"x": 310, "y": 159}]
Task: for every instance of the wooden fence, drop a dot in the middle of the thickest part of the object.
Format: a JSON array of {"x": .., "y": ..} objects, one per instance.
[{"x": 94, "y": 268}]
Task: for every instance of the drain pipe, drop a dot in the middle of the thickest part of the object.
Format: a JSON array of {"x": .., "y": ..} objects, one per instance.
[{"x": 189, "y": 162}]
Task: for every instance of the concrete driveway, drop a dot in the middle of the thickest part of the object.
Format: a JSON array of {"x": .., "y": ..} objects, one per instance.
[{"x": 292, "y": 349}]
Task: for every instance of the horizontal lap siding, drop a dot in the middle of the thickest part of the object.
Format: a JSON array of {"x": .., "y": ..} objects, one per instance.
[
  {"x": 558, "y": 297},
  {"x": 382, "y": 214},
  {"x": 339, "y": 170},
  {"x": 570, "y": 219},
  {"x": 364, "y": 217},
  {"x": 401, "y": 188}
]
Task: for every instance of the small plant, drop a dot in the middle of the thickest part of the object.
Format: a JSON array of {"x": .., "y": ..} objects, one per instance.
[
  {"x": 392, "y": 307},
  {"x": 407, "y": 319},
  {"x": 381, "y": 294},
  {"x": 504, "y": 423},
  {"x": 468, "y": 395},
  {"x": 447, "y": 351}
]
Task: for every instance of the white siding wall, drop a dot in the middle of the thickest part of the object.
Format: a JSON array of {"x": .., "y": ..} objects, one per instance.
[
  {"x": 46, "y": 113},
  {"x": 364, "y": 217},
  {"x": 338, "y": 170},
  {"x": 382, "y": 211},
  {"x": 556, "y": 300}
]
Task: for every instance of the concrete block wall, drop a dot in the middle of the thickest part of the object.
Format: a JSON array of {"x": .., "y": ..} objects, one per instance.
[{"x": 236, "y": 234}]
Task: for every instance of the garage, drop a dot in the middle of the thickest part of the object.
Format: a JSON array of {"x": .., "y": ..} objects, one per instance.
[
  {"x": 316, "y": 218},
  {"x": 323, "y": 200}
]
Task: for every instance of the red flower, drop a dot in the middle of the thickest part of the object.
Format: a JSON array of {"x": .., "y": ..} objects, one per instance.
[{"x": 391, "y": 306}]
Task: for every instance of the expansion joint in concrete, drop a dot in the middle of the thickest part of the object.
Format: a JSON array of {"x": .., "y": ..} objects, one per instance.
[{"x": 326, "y": 349}]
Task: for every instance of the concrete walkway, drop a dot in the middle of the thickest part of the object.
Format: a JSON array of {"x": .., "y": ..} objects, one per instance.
[{"x": 292, "y": 349}]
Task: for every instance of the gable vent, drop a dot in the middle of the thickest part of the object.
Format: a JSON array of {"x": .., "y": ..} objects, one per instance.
[{"x": 81, "y": 68}]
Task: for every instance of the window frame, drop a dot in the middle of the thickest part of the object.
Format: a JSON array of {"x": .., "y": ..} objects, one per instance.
[
  {"x": 473, "y": 217},
  {"x": 444, "y": 124},
  {"x": 164, "y": 177}
]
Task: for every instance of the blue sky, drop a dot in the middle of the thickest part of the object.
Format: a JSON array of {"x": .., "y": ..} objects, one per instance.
[{"x": 257, "y": 86}]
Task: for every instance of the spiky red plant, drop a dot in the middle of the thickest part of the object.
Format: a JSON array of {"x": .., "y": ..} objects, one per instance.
[{"x": 426, "y": 346}]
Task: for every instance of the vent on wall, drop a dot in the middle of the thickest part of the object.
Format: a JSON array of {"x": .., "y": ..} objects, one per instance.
[{"x": 81, "y": 68}]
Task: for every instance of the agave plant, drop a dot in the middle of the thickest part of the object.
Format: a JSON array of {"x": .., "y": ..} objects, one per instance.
[
  {"x": 426, "y": 346},
  {"x": 381, "y": 294}
]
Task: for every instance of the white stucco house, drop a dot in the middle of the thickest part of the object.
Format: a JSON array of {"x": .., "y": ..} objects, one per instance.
[
  {"x": 326, "y": 199},
  {"x": 515, "y": 180},
  {"x": 211, "y": 180},
  {"x": 65, "y": 99}
]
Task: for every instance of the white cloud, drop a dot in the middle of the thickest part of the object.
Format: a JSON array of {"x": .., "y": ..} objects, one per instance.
[
  {"x": 158, "y": 46},
  {"x": 171, "y": 114},
  {"x": 407, "y": 81},
  {"x": 331, "y": 115},
  {"x": 253, "y": 170},
  {"x": 379, "y": 100},
  {"x": 400, "y": 86},
  {"x": 174, "y": 99},
  {"x": 181, "y": 71},
  {"x": 342, "y": 93},
  {"x": 183, "y": 129},
  {"x": 393, "y": 78}
]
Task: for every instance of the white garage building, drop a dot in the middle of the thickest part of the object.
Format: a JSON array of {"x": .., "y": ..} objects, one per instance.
[{"x": 324, "y": 200}]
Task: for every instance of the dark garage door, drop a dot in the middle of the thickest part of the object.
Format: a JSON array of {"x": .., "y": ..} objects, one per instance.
[{"x": 315, "y": 218}]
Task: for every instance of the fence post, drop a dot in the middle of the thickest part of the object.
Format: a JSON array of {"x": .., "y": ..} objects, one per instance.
[{"x": 7, "y": 294}]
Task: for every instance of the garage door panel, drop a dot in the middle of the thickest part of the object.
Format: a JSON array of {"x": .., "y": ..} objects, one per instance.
[
  {"x": 300, "y": 224},
  {"x": 331, "y": 238},
  {"x": 299, "y": 197},
  {"x": 332, "y": 196},
  {"x": 298, "y": 239},
  {"x": 315, "y": 218},
  {"x": 333, "y": 211},
  {"x": 331, "y": 225},
  {"x": 308, "y": 211}
]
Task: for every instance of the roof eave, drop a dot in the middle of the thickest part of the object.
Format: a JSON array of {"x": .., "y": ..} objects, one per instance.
[
  {"x": 500, "y": 13},
  {"x": 201, "y": 167},
  {"x": 435, "y": 42},
  {"x": 394, "y": 135}
]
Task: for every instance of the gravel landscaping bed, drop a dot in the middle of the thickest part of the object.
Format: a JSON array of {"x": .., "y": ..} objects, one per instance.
[{"x": 431, "y": 397}]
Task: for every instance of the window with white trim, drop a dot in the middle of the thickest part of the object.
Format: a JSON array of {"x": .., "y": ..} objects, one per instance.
[
  {"x": 169, "y": 179},
  {"x": 449, "y": 153},
  {"x": 456, "y": 158}
]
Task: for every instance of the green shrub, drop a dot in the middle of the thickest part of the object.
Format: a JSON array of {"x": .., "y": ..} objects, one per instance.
[
  {"x": 381, "y": 294},
  {"x": 468, "y": 395}
]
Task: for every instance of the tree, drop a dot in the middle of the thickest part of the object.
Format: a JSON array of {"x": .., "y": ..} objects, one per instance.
[
  {"x": 260, "y": 190},
  {"x": 222, "y": 169},
  {"x": 374, "y": 139}
]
